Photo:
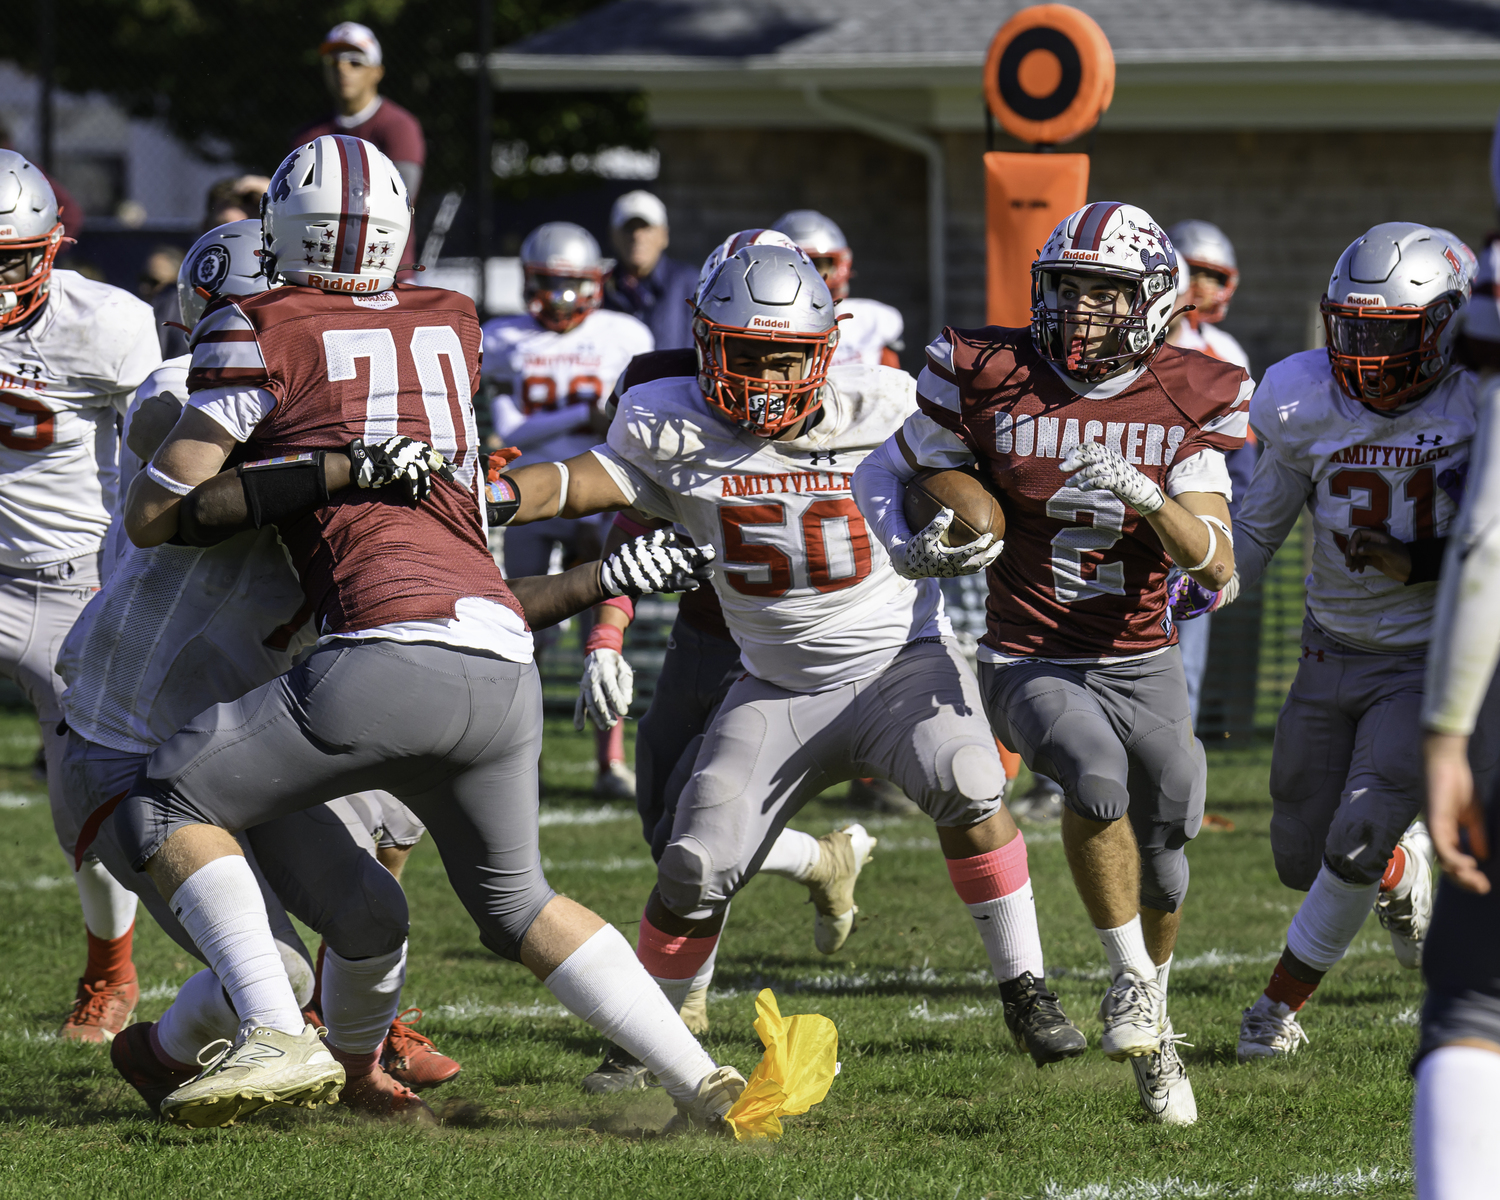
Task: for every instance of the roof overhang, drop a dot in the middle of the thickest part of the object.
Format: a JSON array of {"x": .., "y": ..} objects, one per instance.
[{"x": 1291, "y": 89}]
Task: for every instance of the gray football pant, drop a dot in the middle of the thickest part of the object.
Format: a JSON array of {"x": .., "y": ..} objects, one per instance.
[
  {"x": 94, "y": 774},
  {"x": 696, "y": 675},
  {"x": 1346, "y": 770},
  {"x": 1118, "y": 739},
  {"x": 37, "y": 608},
  {"x": 389, "y": 822},
  {"x": 453, "y": 735},
  {"x": 919, "y": 723}
]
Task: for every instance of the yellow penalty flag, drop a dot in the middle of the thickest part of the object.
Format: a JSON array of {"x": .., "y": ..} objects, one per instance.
[{"x": 795, "y": 1072}]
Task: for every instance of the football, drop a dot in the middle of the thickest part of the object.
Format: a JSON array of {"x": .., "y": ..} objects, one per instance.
[{"x": 976, "y": 510}]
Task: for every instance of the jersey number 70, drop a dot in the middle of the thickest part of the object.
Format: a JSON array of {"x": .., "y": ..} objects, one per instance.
[{"x": 763, "y": 556}]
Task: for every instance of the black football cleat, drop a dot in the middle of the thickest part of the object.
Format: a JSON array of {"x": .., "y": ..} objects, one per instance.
[
  {"x": 1037, "y": 1022},
  {"x": 620, "y": 1071}
]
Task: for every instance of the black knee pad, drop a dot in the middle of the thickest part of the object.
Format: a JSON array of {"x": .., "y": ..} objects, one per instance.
[
  {"x": 1297, "y": 854},
  {"x": 372, "y": 920},
  {"x": 1164, "y": 878},
  {"x": 1359, "y": 848}
]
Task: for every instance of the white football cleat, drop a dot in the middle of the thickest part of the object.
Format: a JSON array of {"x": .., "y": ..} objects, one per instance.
[
  {"x": 717, "y": 1093},
  {"x": 1134, "y": 1016},
  {"x": 617, "y": 783},
  {"x": 842, "y": 854},
  {"x": 1406, "y": 910},
  {"x": 1161, "y": 1079},
  {"x": 1268, "y": 1029},
  {"x": 266, "y": 1067}
]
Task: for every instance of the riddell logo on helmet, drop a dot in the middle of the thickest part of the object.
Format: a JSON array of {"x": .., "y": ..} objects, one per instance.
[
  {"x": 7, "y": 231},
  {"x": 343, "y": 285},
  {"x": 769, "y": 323},
  {"x": 1083, "y": 255},
  {"x": 1368, "y": 299}
]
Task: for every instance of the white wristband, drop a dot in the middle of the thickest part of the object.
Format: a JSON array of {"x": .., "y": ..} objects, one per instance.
[
  {"x": 162, "y": 479},
  {"x": 562, "y": 487},
  {"x": 1213, "y": 541}
]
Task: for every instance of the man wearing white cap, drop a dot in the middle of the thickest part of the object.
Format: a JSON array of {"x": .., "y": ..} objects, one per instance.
[
  {"x": 645, "y": 282},
  {"x": 353, "y": 68}
]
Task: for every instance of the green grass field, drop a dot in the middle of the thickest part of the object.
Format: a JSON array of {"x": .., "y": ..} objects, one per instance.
[{"x": 933, "y": 1101}]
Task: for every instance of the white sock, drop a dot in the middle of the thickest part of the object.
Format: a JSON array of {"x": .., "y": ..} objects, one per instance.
[
  {"x": 793, "y": 855},
  {"x": 1329, "y": 918},
  {"x": 705, "y": 976},
  {"x": 603, "y": 983},
  {"x": 1125, "y": 947},
  {"x": 199, "y": 1015},
  {"x": 1007, "y": 927},
  {"x": 108, "y": 908},
  {"x": 221, "y": 908},
  {"x": 361, "y": 997},
  {"x": 1454, "y": 1119},
  {"x": 1163, "y": 974}
]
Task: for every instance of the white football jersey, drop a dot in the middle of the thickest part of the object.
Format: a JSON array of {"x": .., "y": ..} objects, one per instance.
[
  {"x": 1214, "y": 342},
  {"x": 169, "y": 379},
  {"x": 549, "y": 382},
  {"x": 810, "y": 597},
  {"x": 1354, "y": 468},
  {"x": 177, "y": 629},
  {"x": 64, "y": 377},
  {"x": 872, "y": 327}
]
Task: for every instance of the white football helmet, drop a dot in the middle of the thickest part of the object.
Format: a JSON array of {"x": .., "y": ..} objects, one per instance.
[
  {"x": 733, "y": 244},
  {"x": 564, "y": 274},
  {"x": 28, "y": 227},
  {"x": 223, "y": 262},
  {"x": 1389, "y": 311},
  {"x": 1468, "y": 260},
  {"x": 336, "y": 216},
  {"x": 764, "y": 293},
  {"x": 1203, "y": 246},
  {"x": 824, "y": 242},
  {"x": 1120, "y": 243}
]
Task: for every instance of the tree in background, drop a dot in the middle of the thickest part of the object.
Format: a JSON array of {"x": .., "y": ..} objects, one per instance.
[{"x": 236, "y": 78}]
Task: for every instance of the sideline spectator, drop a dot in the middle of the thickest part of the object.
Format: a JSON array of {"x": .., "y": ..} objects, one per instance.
[
  {"x": 236, "y": 198},
  {"x": 352, "y": 69},
  {"x": 645, "y": 282}
]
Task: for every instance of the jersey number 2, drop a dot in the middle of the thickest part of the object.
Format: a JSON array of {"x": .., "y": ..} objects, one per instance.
[
  {"x": 1074, "y": 546},
  {"x": 429, "y": 345},
  {"x": 771, "y": 566}
]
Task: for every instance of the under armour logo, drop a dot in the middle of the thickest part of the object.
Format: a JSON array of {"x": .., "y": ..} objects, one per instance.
[
  {"x": 817, "y": 454},
  {"x": 1309, "y": 652},
  {"x": 1437, "y": 439},
  {"x": 28, "y": 371}
]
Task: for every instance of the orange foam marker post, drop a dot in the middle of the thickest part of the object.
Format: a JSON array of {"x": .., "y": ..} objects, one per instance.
[
  {"x": 795, "y": 1072},
  {"x": 1025, "y": 196}
]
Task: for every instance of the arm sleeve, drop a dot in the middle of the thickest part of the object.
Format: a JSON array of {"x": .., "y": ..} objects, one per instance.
[
  {"x": 1267, "y": 513},
  {"x": 1205, "y": 471},
  {"x": 1466, "y": 637},
  {"x": 878, "y": 485},
  {"x": 238, "y": 409}
]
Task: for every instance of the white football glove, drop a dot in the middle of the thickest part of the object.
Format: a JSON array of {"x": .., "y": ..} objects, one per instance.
[
  {"x": 605, "y": 691},
  {"x": 655, "y": 562},
  {"x": 1098, "y": 468},
  {"x": 925, "y": 557}
]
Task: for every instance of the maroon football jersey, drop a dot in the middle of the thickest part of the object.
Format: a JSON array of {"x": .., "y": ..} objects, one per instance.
[
  {"x": 1083, "y": 574},
  {"x": 340, "y": 367}
]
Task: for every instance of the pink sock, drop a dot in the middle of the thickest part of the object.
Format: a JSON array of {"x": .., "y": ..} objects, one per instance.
[
  {"x": 673, "y": 961},
  {"x": 996, "y": 887}
]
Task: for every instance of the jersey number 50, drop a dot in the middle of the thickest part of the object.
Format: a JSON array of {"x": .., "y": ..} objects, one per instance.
[{"x": 825, "y": 524}]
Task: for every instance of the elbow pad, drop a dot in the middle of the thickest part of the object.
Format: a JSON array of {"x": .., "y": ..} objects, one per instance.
[{"x": 278, "y": 489}]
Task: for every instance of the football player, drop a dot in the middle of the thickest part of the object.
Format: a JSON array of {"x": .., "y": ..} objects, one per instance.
[
  {"x": 1371, "y": 437},
  {"x": 1208, "y": 278},
  {"x": 72, "y": 352},
  {"x": 1457, "y": 1064},
  {"x": 702, "y": 661},
  {"x": 848, "y": 669},
  {"x": 1108, "y": 446},
  {"x": 552, "y": 368},
  {"x": 422, "y": 676},
  {"x": 873, "y": 332},
  {"x": 175, "y": 630}
]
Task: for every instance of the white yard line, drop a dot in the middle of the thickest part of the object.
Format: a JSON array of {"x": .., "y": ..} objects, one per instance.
[
  {"x": 1345, "y": 1183},
  {"x": 18, "y": 800},
  {"x": 602, "y": 815}
]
